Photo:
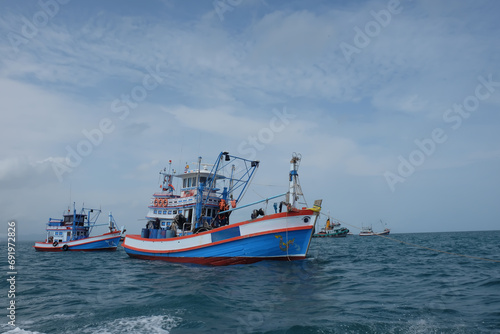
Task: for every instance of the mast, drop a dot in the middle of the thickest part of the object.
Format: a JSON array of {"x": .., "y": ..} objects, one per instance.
[
  {"x": 293, "y": 180},
  {"x": 74, "y": 222},
  {"x": 199, "y": 198},
  {"x": 231, "y": 182},
  {"x": 166, "y": 184},
  {"x": 111, "y": 224}
]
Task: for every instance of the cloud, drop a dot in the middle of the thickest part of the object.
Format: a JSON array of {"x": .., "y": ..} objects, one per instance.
[
  {"x": 21, "y": 173},
  {"x": 220, "y": 121},
  {"x": 287, "y": 38}
]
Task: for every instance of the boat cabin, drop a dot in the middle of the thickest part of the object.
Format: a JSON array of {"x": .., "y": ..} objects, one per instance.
[
  {"x": 167, "y": 208},
  {"x": 71, "y": 227}
]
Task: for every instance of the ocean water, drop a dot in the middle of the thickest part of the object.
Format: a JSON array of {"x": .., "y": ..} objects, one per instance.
[{"x": 347, "y": 285}]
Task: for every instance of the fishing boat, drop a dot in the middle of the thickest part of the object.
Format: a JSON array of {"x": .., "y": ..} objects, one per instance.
[
  {"x": 194, "y": 225},
  {"x": 332, "y": 230},
  {"x": 368, "y": 231},
  {"x": 72, "y": 233}
]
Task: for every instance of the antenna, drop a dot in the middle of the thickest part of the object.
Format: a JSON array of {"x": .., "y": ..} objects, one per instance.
[{"x": 69, "y": 195}]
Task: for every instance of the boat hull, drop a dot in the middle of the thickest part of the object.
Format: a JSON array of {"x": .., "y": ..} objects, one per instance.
[
  {"x": 281, "y": 236},
  {"x": 368, "y": 234},
  {"x": 339, "y": 233},
  {"x": 104, "y": 242},
  {"x": 330, "y": 235}
]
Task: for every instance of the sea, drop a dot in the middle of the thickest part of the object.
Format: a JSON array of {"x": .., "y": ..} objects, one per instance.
[{"x": 403, "y": 283}]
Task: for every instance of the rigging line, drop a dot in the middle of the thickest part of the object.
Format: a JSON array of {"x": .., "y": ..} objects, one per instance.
[
  {"x": 419, "y": 246},
  {"x": 269, "y": 185},
  {"x": 341, "y": 221},
  {"x": 258, "y": 194}
]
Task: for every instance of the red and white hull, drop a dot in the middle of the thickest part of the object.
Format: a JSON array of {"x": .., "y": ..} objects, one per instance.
[
  {"x": 107, "y": 241},
  {"x": 280, "y": 236}
]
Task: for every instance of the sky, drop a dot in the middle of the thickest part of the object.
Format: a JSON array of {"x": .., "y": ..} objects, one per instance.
[{"x": 393, "y": 106}]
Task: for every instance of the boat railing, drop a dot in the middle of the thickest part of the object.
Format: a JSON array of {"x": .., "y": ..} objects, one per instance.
[{"x": 247, "y": 205}]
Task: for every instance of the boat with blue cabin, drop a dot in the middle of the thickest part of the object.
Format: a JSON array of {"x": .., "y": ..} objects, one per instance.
[
  {"x": 73, "y": 233},
  {"x": 193, "y": 226}
]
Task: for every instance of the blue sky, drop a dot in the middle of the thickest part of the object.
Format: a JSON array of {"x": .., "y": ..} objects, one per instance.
[{"x": 392, "y": 104}]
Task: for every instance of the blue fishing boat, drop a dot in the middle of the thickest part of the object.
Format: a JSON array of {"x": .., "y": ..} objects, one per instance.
[
  {"x": 73, "y": 233},
  {"x": 194, "y": 225}
]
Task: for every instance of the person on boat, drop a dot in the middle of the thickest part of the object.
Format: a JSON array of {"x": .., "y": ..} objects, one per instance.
[
  {"x": 288, "y": 206},
  {"x": 181, "y": 222},
  {"x": 223, "y": 217}
]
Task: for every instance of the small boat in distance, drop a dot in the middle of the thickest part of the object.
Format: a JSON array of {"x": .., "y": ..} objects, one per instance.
[
  {"x": 368, "y": 231},
  {"x": 72, "y": 233},
  {"x": 194, "y": 225},
  {"x": 332, "y": 230}
]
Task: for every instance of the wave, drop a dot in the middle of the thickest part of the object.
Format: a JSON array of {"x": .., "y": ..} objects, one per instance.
[
  {"x": 157, "y": 324},
  {"x": 18, "y": 330}
]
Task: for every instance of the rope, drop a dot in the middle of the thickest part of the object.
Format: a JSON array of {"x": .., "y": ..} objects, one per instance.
[{"x": 419, "y": 246}]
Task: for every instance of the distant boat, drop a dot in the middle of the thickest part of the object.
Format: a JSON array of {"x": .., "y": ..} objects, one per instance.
[
  {"x": 368, "y": 231},
  {"x": 72, "y": 233},
  {"x": 194, "y": 226},
  {"x": 332, "y": 230}
]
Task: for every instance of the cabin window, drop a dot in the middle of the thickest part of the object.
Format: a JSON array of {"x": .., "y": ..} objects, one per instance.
[
  {"x": 203, "y": 179},
  {"x": 164, "y": 212},
  {"x": 194, "y": 182},
  {"x": 169, "y": 212},
  {"x": 184, "y": 183},
  {"x": 175, "y": 212},
  {"x": 155, "y": 211},
  {"x": 188, "y": 213},
  {"x": 189, "y": 182}
]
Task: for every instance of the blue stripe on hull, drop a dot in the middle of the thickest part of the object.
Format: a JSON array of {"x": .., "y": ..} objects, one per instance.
[
  {"x": 101, "y": 244},
  {"x": 275, "y": 245}
]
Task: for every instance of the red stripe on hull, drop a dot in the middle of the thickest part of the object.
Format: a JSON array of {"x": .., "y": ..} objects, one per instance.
[{"x": 59, "y": 249}]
